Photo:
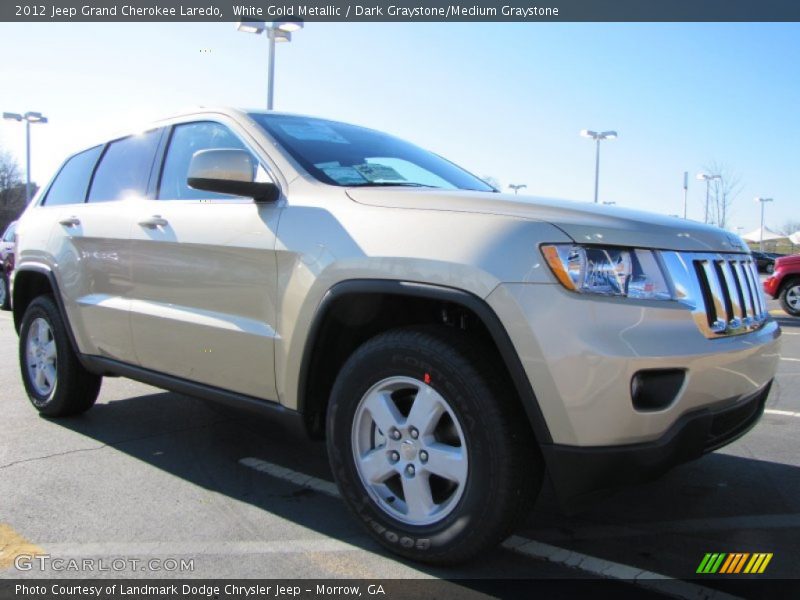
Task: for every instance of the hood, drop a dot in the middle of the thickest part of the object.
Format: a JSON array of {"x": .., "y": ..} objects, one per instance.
[{"x": 583, "y": 222}]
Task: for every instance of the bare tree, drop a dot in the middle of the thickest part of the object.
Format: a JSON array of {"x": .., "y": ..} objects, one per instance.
[
  {"x": 9, "y": 172},
  {"x": 492, "y": 181},
  {"x": 724, "y": 192},
  {"x": 791, "y": 226},
  {"x": 12, "y": 190}
]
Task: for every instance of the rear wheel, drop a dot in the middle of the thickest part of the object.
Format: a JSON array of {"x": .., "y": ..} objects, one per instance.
[
  {"x": 56, "y": 382},
  {"x": 428, "y": 447},
  {"x": 790, "y": 298}
]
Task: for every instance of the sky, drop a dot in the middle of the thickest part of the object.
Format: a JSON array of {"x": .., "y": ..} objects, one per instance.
[{"x": 503, "y": 100}]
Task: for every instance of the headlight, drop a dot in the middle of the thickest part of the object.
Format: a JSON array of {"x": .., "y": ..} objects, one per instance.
[{"x": 608, "y": 270}]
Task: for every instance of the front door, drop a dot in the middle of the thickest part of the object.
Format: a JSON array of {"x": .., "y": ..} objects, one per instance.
[{"x": 204, "y": 276}]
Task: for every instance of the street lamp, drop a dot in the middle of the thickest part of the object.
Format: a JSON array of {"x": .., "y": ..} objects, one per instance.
[
  {"x": 708, "y": 179},
  {"x": 598, "y": 137},
  {"x": 28, "y": 117},
  {"x": 277, "y": 31},
  {"x": 517, "y": 187},
  {"x": 763, "y": 201}
]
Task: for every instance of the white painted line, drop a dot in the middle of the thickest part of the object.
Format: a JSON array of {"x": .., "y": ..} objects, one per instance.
[
  {"x": 789, "y": 333},
  {"x": 193, "y": 548},
  {"x": 782, "y": 413},
  {"x": 312, "y": 483},
  {"x": 790, "y": 359},
  {"x": 534, "y": 549},
  {"x": 613, "y": 570}
]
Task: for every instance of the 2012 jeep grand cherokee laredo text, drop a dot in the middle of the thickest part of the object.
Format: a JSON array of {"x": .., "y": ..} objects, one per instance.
[{"x": 451, "y": 343}]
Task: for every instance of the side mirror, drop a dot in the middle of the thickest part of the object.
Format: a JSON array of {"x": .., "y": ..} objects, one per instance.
[{"x": 228, "y": 171}]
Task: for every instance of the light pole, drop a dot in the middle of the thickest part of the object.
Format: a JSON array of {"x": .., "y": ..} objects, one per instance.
[
  {"x": 28, "y": 117},
  {"x": 708, "y": 179},
  {"x": 763, "y": 201},
  {"x": 598, "y": 137},
  {"x": 517, "y": 187},
  {"x": 277, "y": 31},
  {"x": 685, "y": 192}
]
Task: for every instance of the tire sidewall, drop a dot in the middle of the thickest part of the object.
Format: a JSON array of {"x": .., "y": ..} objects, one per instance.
[
  {"x": 356, "y": 379},
  {"x": 785, "y": 303},
  {"x": 4, "y": 291},
  {"x": 42, "y": 309}
]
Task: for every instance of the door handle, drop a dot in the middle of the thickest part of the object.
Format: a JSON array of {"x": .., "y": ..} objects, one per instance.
[
  {"x": 72, "y": 221},
  {"x": 154, "y": 222}
]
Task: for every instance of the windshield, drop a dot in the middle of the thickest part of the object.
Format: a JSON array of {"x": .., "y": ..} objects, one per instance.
[{"x": 350, "y": 156}]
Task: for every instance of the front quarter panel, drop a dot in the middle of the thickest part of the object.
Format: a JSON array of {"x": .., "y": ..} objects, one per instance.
[{"x": 325, "y": 238}]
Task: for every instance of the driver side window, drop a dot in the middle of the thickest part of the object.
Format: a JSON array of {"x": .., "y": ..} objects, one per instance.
[{"x": 185, "y": 140}]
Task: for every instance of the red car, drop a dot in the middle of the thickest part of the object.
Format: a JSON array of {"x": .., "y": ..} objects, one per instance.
[{"x": 784, "y": 283}]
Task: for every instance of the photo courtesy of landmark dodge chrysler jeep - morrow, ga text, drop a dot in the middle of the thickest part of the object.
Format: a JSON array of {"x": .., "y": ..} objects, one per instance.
[{"x": 452, "y": 344}]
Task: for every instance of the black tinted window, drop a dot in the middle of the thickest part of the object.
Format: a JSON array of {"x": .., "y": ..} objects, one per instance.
[
  {"x": 125, "y": 168},
  {"x": 72, "y": 180},
  {"x": 185, "y": 141}
]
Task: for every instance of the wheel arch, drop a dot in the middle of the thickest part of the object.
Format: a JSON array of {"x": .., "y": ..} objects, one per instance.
[
  {"x": 31, "y": 281},
  {"x": 369, "y": 302}
]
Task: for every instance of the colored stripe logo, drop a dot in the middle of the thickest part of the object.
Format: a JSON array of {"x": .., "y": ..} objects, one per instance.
[{"x": 734, "y": 563}]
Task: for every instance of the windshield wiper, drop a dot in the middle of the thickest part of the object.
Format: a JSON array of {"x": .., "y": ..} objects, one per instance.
[{"x": 394, "y": 183}]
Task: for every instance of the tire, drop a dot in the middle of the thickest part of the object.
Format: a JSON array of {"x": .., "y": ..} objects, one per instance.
[
  {"x": 770, "y": 268},
  {"x": 476, "y": 467},
  {"x": 790, "y": 298},
  {"x": 5, "y": 296},
  {"x": 56, "y": 382}
]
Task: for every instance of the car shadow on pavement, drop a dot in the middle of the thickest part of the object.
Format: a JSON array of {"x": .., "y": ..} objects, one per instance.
[{"x": 719, "y": 503}]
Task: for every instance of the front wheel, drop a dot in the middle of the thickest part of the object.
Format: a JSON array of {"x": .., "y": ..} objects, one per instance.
[
  {"x": 790, "y": 298},
  {"x": 5, "y": 296},
  {"x": 428, "y": 447},
  {"x": 56, "y": 382}
]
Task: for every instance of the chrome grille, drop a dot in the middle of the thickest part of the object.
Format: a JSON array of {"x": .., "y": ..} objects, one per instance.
[{"x": 723, "y": 290}]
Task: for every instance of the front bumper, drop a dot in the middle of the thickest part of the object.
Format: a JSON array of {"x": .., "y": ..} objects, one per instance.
[
  {"x": 581, "y": 353},
  {"x": 578, "y": 472}
]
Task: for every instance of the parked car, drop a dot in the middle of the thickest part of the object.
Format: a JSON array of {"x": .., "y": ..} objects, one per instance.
[
  {"x": 765, "y": 261},
  {"x": 452, "y": 344},
  {"x": 784, "y": 284},
  {"x": 6, "y": 264}
]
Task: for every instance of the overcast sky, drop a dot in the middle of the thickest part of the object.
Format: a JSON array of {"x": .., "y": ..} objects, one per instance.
[{"x": 505, "y": 100}]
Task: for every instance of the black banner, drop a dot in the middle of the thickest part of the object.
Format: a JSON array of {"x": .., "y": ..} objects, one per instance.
[{"x": 406, "y": 11}]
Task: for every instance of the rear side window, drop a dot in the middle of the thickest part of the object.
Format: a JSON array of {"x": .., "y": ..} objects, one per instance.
[
  {"x": 72, "y": 181},
  {"x": 125, "y": 168},
  {"x": 185, "y": 141}
]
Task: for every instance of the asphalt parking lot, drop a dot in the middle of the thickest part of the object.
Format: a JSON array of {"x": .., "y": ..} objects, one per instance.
[{"x": 149, "y": 474}]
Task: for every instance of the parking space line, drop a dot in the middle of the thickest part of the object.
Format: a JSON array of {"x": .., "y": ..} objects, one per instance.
[
  {"x": 790, "y": 359},
  {"x": 13, "y": 545},
  {"x": 782, "y": 413},
  {"x": 531, "y": 548}
]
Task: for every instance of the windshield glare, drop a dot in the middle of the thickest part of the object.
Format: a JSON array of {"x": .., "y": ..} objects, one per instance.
[{"x": 351, "y": 156}]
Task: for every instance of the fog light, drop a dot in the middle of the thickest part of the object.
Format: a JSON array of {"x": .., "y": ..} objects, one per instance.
[{"x": 656, "y": 389}]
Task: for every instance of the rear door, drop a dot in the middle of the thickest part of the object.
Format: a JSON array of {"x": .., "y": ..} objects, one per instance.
[
  {"x": 90, "y": 239},
  {"x": 204, "y": 274}
]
